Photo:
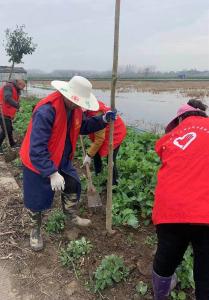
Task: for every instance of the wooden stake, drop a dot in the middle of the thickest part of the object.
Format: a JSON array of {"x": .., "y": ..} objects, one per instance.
[{"x": 113, "y": 87}]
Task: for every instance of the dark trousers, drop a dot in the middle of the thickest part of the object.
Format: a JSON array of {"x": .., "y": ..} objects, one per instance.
[
  {"x": 173, "y": 240},
  {"x": 72, "y": 186},
  {"x": 98, "y": 165},
  {"x": 9, "y": 129}
]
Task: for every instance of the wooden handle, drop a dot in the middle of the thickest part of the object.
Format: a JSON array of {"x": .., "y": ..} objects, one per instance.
[
  {"x": 113, "y": 88},
  {"x": 87, "y": 165},
  {"x": 5, "y": 128}
]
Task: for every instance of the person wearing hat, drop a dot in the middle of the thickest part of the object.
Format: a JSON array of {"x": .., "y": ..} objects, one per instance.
[
  {"x": 181, "y": 205},
  {"x": 48, "y": 149},
  {"x": 9, "y": 102},
  {"x": 100, "y": 142}
]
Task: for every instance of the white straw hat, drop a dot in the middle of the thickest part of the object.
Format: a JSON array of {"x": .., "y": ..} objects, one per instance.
[{"x": 79, "y": 91}]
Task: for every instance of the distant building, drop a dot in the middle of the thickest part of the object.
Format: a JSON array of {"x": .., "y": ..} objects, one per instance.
[{"x": 18, "y": 73}]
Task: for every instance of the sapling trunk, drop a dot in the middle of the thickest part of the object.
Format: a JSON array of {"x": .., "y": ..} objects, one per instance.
[
  {"x": 12, "y": 68},
  {"x": 113, "y": 87}
]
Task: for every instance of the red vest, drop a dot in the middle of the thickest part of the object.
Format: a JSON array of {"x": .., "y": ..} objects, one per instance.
[
  {"x": 182, "y": 191},
  {"x": 59, "y": 130},
  {"x": 119, "y": 130},
  {"x": 8, "y": 110}
]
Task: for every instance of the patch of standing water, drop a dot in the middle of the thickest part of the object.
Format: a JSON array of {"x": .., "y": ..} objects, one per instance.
[{"x": 144, "y": 110}]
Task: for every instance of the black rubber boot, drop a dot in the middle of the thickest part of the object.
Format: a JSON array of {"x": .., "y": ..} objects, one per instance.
[{"x": 36, "y": 240}]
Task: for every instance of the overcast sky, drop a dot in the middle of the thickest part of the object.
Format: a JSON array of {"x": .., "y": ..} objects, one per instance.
[{"x": 78, "y": 34}]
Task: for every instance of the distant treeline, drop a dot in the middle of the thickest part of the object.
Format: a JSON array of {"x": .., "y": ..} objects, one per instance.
[
  {"x": 126, "y": 73},
  {"x": 40, "y": 78}
]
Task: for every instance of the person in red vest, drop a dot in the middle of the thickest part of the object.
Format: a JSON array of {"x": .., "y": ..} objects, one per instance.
[
  {"x": 100, "y": 142},
  {"x": 181, "y": 205},
  {"x": 9, "y": 101},
  {"x": 48, "y": 148}
]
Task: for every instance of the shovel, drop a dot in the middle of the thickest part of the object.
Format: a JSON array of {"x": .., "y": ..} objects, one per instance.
[
  {"x": 11, "y": 153},
  {"x": 94, "y": 199}
]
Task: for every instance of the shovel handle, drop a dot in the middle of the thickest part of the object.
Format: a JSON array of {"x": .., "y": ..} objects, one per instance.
[
  {"x": 5, "y": 128},
  {"x": 87, "y": 165}
]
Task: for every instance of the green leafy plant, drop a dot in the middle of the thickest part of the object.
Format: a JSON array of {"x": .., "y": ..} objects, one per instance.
[
  {"x": 23, "y": 116},
  {"x": 112, "y": 269},
  {"x": 185, "y": 270},
  {"x": 84, "y": 183},
  {"x": 178, "y": 295},
  {"x": 100, "y": 180},
  {"x": 137, "y": 165},
  {"x": 74, "y": 251},
  {"x": 142, "y": 288},
  {"x": 55, "y": 222},
  {"x": 17, "y": 162},
  {"x": 185, "y": 276}
]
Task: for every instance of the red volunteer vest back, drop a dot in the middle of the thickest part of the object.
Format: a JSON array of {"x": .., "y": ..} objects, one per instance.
[
  {"x": 57, "y": 140},
  {"x": 8, "y": 110},
  {"x": 119, "y": 130},
  {"x": 182, "y": 190}
]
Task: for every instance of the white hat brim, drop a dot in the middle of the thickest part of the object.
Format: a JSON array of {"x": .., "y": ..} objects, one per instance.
[{"x": 63, "y": 87}]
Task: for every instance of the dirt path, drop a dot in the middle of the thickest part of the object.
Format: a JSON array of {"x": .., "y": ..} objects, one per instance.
[
  {"x": 26, "y": 275},
  {"x": 6, "y": 285},
  {"x": 9, "y": 189}
]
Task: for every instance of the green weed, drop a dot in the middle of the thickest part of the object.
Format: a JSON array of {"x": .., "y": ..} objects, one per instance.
[
  {"x": 141, "y": 288},
  {"x": 185, "y": 270},
  {"x": 74, "y": 251},
  {"x": 23, "y": 116},
  {"x": 178, "y": 295},
  {"x": 17, "y": 162},
  {"x": 151, "y": 240},
  {"x": 111, "y": 270},
  {"x": 55, "y": 222}
]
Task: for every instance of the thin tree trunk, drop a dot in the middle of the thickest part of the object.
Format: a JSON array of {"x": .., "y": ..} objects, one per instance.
[
  {"x": 113, "y": 87},
  {"x": 12, "y": 68}
]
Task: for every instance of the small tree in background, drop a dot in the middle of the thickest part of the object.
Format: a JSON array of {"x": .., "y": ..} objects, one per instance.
[{"x": 18, "y": 43}]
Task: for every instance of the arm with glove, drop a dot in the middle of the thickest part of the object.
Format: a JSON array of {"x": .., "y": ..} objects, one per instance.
[
  {"x": 99, "y": 136},
  {"x": 96, "y": 123}
]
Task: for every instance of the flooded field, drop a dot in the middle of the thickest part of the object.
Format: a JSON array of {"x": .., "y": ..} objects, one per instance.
[{"x": 146, "y": 105}]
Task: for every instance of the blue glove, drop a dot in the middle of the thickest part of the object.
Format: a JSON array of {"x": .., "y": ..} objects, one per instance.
[{"x": 110, "y": 115}]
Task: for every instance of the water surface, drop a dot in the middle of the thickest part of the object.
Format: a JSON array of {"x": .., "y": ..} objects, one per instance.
[{"x": 137, "y": 108}]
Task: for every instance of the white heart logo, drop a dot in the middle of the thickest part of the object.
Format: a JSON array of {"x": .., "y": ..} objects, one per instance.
[{"x": 184, "y": 141}]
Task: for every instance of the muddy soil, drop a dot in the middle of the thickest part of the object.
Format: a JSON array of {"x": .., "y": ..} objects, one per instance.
[{"x": 40, "y": 276}]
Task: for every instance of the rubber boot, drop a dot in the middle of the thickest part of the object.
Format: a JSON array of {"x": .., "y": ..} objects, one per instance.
[
  {"x": 69, "y": 206},
  {"x": 36, "y": 240},
  {"x": 162, "y": 286}
]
